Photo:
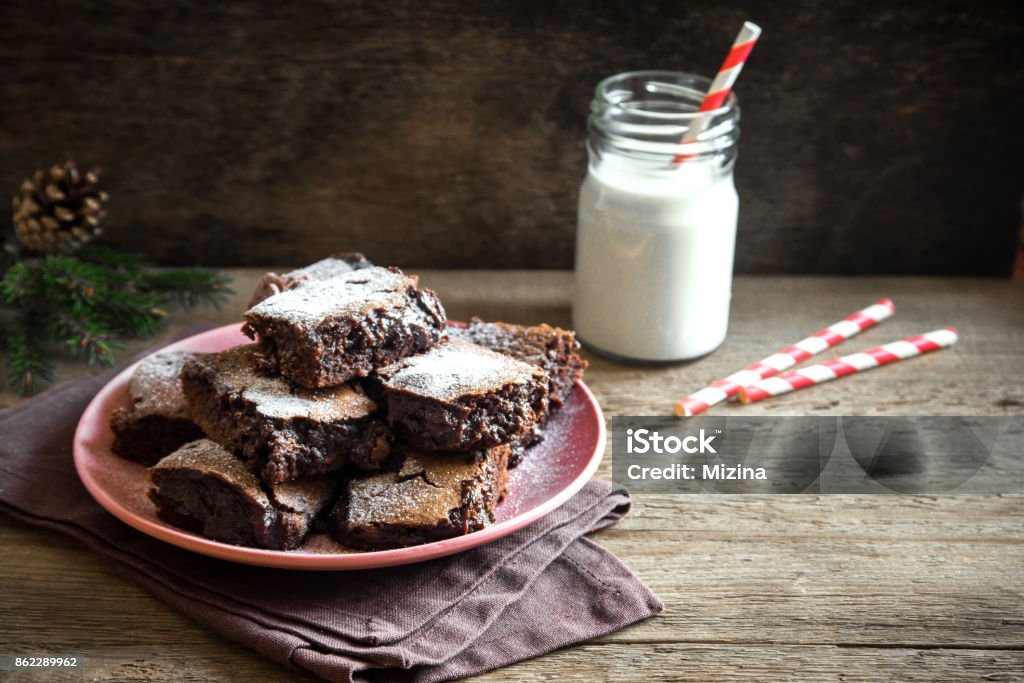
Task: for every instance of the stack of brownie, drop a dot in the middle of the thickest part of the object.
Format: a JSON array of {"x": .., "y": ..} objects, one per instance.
[{"x": 356, "y": 410}]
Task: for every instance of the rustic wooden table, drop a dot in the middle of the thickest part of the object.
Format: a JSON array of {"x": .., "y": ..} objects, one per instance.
[{"x": 755, "y": 587}]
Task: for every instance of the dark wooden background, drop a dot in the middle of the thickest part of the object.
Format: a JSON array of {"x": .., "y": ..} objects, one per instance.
[{"x": 878, "y": 137}]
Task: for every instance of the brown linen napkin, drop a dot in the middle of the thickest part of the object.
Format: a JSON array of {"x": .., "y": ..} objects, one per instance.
[{"x": 539, "y": 589}]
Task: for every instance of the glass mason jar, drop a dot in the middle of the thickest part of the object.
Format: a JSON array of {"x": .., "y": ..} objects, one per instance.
[{"x": 657, "y": 219}]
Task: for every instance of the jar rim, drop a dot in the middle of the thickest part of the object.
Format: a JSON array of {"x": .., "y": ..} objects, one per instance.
[
  {"x": 648, "y": 116},
  {"x": 685, "y": 87}
]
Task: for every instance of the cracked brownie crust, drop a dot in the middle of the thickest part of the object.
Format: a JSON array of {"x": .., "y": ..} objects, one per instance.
[
  {"x": 552, "y": 349},
  {"x": 327, "y": 332},
  {"x": 205, "y": 489},
  {"x": 338, "y": 264},
  {"x": 460, "y": 396},
  {"x": 158, "y": 420},
  {"x": 284, "y": 432},
  {"x": 431, "y": 497}
]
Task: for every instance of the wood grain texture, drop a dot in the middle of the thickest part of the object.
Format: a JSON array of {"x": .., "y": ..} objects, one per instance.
[
  {"x": 816, "y": 588},
  {"x": 877, "y": 137}
]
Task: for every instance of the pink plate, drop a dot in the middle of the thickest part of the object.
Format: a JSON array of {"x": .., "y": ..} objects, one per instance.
[{"x": 551, "y": 474}]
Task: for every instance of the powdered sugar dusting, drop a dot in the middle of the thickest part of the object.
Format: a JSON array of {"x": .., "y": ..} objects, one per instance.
[
  {"x": 382, "y": 499},
  {"x": 323, "y": 270},
  {"x": 155, "y": 388},
  {"x": 304, "y": 496},
  {"x": 455, "y": 369},
  {"x": 206, "y": 457},
  {"x": 422, "y": 492},
  {"x": 350, "y": 293},
  {"x": 275, "y": 397}
]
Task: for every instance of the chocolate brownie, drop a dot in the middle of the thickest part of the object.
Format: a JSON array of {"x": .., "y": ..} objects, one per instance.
[
  {"x": 338, "y": 264},
  {"x": 521, "y": 446},
  {"x": 205, "y": 489},
  {"x": 432, "y": 496},
  {"x": 459, "y": 396},
  {"x": 327, "y": 332},
  {"x": 552, "y": 349},
  {"x": 285, "y": 432},
  {"x": 158, "y": 419}
]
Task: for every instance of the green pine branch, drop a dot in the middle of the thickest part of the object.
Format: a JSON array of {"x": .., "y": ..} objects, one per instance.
[
  {"x": 22, "y": 282},
  {"x": 188, "y": 287},
  {"x": 85, "y": 340},
  {"x": 28, "y": 360},
  {"x": 109, "y": 299},
  {"x": 85, "y": 303}
]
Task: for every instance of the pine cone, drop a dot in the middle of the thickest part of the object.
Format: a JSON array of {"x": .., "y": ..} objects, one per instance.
[{"x": 58, "y": 211}]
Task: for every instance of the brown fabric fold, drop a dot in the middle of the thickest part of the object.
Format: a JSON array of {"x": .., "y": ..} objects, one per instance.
[{"x": 539, "y": 589}]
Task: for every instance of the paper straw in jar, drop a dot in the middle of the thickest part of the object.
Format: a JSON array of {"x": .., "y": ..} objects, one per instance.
[
  {"x": 719, "y": 391},
  {"x": 724, "y": 80},
  {"x": 848, "y": 365}
]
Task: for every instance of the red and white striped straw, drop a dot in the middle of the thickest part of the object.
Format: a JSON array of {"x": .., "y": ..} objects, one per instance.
[
  {"x": 847, "y": 365},
  {"x": 786, "y": 358},
  {"x": 724, "y": 80}
]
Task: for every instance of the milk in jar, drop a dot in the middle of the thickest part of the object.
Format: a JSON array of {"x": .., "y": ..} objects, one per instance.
[{"x": 657, "y": 220}]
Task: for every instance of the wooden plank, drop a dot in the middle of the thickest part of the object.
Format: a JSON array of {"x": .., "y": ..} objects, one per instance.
[
  {"x": 214, "y": 659},
  {"x": 853, "y": 518},
  {"x": 832, "y": 591},
  {"x": 723, "y": 579},
  {"x": 613, "y": 663},
  {"x": 451, "y": 133},
  {"x": 726, "y": 662},
  {"x": 122, "y": 629}
]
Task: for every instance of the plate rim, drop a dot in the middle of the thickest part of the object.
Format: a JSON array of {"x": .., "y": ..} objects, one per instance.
[{"x": 281, "y": 559}]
